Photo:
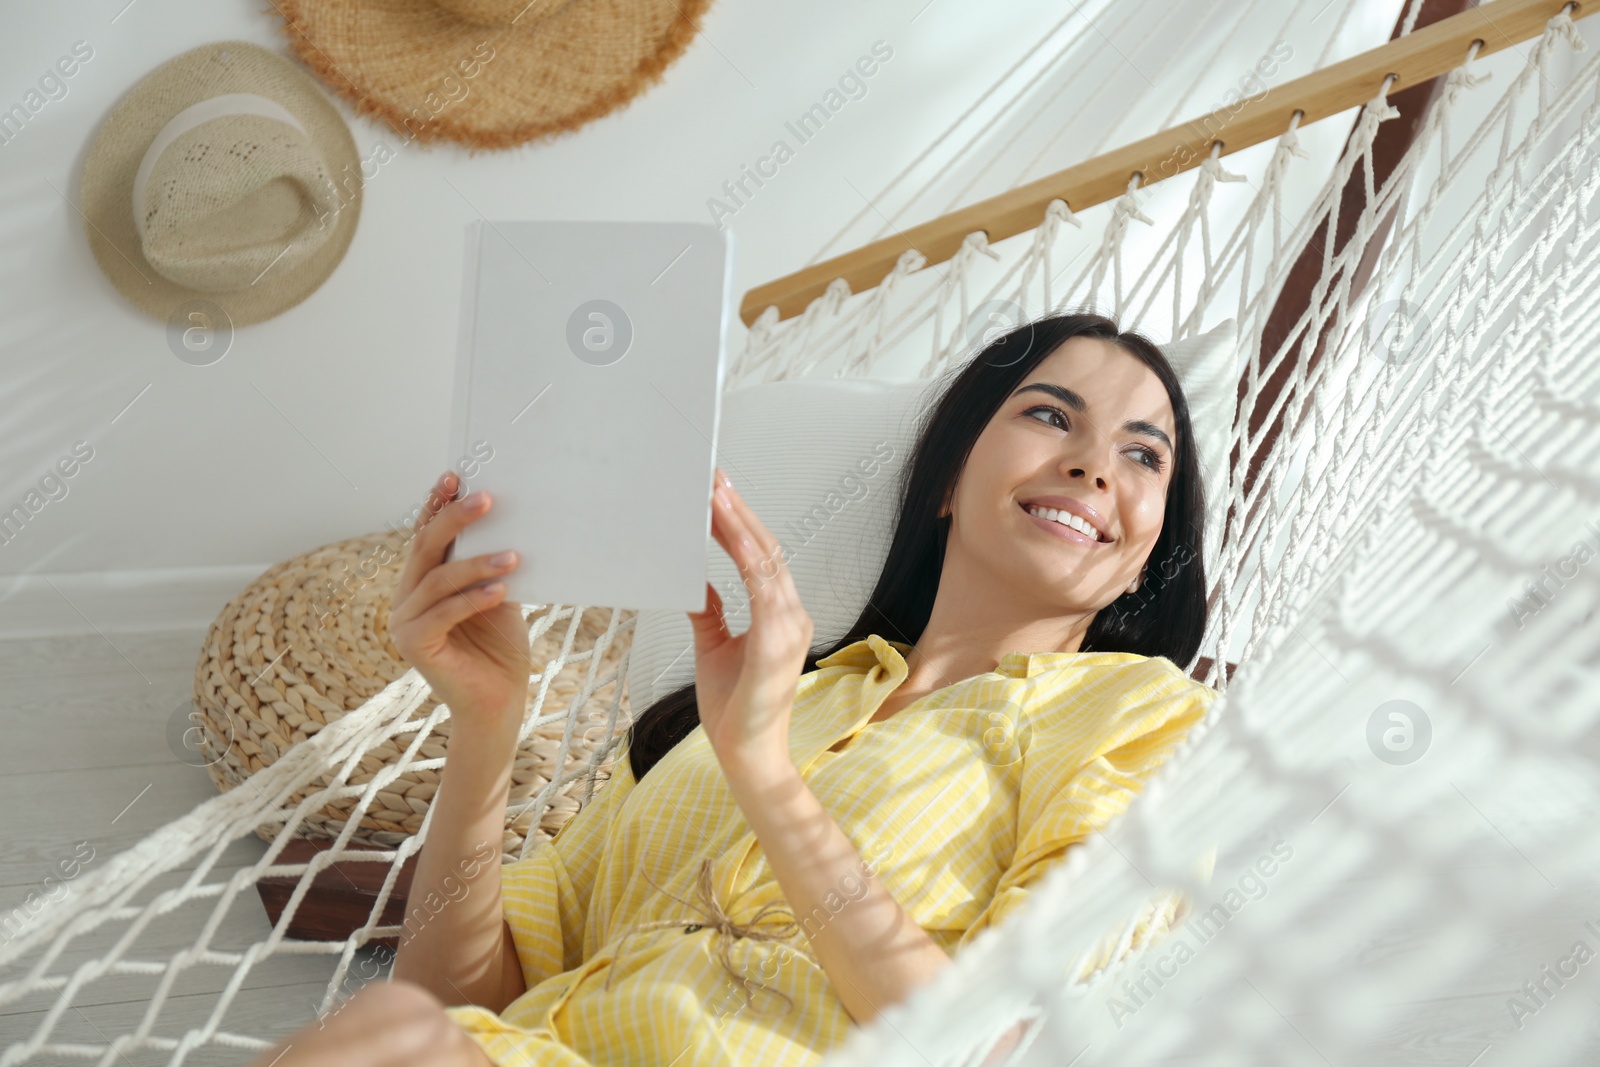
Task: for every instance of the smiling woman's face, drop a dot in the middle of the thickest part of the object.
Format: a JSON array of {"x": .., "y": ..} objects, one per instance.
[{"x": 1091, "y": 427}]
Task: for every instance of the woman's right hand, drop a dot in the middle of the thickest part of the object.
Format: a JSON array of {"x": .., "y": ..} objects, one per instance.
[{"x": 470, "y": 644}]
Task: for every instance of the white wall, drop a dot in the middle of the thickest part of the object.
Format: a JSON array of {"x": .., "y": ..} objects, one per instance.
[{"x": 330, "y": 420}]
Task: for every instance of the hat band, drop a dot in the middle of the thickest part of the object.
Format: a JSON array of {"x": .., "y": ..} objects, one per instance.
[{"x": 217, "y": 107}]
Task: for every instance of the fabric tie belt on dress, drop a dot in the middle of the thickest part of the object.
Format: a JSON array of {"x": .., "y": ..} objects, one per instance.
[{"x": 714, "y": 916}]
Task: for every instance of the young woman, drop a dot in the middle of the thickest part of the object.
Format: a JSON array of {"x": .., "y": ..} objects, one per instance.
[{"x": 800, "y": 839}]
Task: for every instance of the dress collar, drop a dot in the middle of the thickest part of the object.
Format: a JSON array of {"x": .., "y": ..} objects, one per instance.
[{"x": 873, "y": 650}]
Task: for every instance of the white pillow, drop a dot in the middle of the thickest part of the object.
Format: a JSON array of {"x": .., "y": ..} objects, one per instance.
[
  {"x": 1208, "y": 368},
  {"x": 819, "y": 461}
]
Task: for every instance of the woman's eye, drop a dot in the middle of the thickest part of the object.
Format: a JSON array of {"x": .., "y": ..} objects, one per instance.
[
  {"x": 1147, "y": 456},
  {"x": 1151, "y": 458},
  {"x": 1057, "y": 412}
]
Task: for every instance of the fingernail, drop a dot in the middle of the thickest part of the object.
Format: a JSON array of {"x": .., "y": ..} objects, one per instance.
[
  {"x": 723, "y": 475},
  {"x": 474, "y": 501},
  {"x": 494, "y": 587},
  {"x": 722, "y": 496},
  {"x": 503, "y": 559}
]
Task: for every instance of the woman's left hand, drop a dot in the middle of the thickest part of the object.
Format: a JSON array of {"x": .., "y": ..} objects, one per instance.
[{"x": 745, "y": 685}]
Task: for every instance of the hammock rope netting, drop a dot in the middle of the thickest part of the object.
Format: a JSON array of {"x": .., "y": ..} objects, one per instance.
[{"x": 1406, "y": 542}]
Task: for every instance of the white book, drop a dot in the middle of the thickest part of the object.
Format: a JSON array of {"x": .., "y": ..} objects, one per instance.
[{"x": 590, "y": 370}]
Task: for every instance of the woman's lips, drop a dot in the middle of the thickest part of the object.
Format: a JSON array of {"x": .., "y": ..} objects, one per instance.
[{"x": 1066, "y": 533}]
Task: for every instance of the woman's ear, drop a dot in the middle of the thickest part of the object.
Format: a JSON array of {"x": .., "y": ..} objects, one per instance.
[{"x": 1133, "y": 586}]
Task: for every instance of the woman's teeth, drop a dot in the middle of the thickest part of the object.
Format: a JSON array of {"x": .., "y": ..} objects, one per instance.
[{"x": 1066, "y": 518}]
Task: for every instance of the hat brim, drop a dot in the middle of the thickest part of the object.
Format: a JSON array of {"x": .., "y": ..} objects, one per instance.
[
  {"x": 106, "y": 194},
  {"x": 422, "y": 70}
]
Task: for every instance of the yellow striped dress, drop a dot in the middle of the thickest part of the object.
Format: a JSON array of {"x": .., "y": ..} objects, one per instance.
[{"x": 958, "y": 803}]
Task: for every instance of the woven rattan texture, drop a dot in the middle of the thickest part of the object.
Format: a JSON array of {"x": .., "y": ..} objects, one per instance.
[{"x": 308, "y": 642}]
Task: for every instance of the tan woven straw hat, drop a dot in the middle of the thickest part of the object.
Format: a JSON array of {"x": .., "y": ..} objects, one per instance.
[
  {"x": 489, "y": 73},
  {"x": 225, "y": 176}
]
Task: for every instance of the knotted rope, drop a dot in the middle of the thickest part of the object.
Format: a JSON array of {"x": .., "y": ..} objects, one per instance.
[{"x": 719, "y": 920}]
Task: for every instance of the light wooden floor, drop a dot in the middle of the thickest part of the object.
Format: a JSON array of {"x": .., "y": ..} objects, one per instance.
[{"x": 87, "y": 758}]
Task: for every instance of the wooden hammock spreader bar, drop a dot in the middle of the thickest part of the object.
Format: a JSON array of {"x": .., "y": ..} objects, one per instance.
[{"x": 1413, "y": 59}]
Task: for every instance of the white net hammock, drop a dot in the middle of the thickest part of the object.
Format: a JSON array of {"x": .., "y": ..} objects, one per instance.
[{"x": 1406, "y": 548}]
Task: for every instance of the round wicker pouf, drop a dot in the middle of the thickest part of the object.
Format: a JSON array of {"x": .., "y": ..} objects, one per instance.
[{"x": 308, "y": 642}]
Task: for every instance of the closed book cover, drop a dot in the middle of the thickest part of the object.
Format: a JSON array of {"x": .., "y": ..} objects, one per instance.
[{"x": 590, "y": 370}]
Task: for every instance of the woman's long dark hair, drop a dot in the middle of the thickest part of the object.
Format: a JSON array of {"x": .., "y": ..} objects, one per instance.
[{"x": 1166, "y": 616}]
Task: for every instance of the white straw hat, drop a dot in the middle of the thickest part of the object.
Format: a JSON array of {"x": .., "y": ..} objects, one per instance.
[{"x": 224, "y": 175}]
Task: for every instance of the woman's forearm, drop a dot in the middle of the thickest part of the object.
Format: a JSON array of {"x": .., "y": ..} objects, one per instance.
[
  {"x": 872, "y": 951},
  {"x": 454, "y": 940}
]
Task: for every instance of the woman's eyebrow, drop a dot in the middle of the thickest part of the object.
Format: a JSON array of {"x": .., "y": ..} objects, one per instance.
[
  {"x": 1081, "y": 406},
  {"x": 1149, "y": 429}
]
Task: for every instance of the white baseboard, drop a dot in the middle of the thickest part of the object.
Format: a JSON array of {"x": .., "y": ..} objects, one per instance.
[{"x": 43, "y": 604}]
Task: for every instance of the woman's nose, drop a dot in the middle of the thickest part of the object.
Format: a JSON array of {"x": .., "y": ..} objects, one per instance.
[
  {"x": 1079, "y": 472},
  {"x": 1087, "y": 464}
]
